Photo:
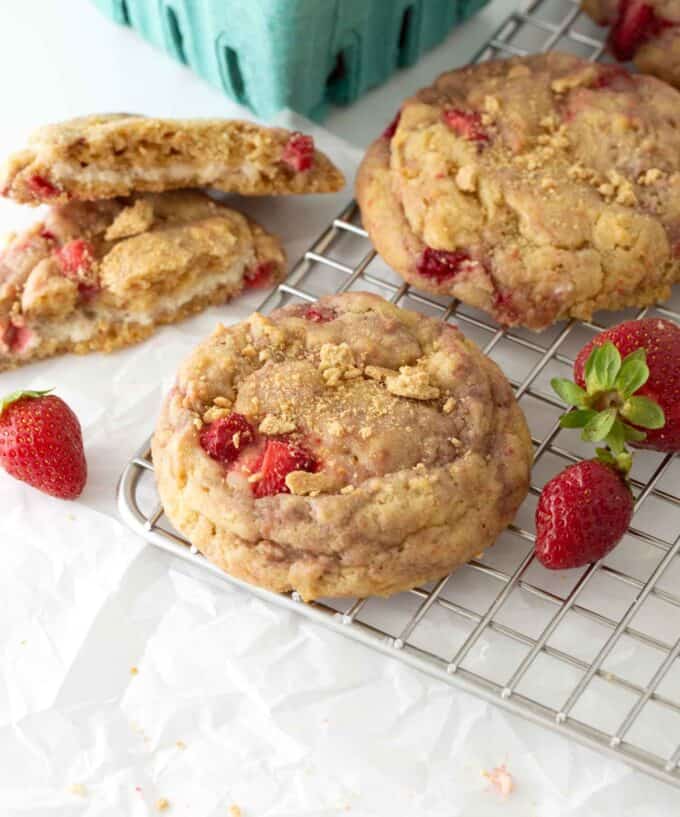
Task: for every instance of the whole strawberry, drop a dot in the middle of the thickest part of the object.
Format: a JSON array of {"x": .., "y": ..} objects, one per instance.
[
  {"x": 660, "y": 340},
  {"x": 621, "y": 400},
  {"x": 41, "y": 443},
  {"x": 582, "y": 514}
]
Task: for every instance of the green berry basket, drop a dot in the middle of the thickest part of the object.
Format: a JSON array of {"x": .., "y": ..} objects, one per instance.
[{"x": 299, "y": 54}]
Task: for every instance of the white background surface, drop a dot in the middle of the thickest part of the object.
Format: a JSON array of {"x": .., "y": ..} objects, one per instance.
[{"x": 276, "y": 715}]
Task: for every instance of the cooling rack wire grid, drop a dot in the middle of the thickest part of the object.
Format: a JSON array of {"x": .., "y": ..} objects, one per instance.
[{"x": 592, "y": 653}]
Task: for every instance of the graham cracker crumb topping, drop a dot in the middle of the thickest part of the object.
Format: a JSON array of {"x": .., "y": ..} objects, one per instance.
[
  {"x": 650, "y": 176},
  {"x": 337, "y": 363},
  {"x": 378, "y": 372},
  {"x": 303, "y": 483},
  {"x": 214, "y": 413},
  {"x": 466, "y": 178},
  {"x": 335, "y": 428},
  {"x": 412, "y": 382},
  {"x": 582, "y": 78},
  {"x": 277, "y": 424}
]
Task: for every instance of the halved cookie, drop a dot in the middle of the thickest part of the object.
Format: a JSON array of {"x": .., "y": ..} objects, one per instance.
[
  {"x": 99, "y": 157},
  {"x": 347, "y": 447},
  {"x": 533, "y": 188},
  {"x": 100, "y": 275}
]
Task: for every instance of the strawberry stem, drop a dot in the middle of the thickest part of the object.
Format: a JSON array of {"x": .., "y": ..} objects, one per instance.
[{"x": 17, "y": 395}]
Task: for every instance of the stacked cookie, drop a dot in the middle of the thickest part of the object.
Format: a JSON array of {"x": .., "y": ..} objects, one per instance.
[
  {"x": 126, "y": 245},
  {"x": 534, "y": 188}
]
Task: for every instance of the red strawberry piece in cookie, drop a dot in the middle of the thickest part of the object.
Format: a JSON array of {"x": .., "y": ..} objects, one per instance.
[
  {"x": 76, "y": 259},
  {"x": 48, "y": 235},
  {"x": 317, "y": 313},
  {"x": 260, "y": 276},
  {"x": 391, "y": 129},
  {"x": 42, "y": 188},
  {"x": 637, "y": 22},
  {"x": 505, "y": 310},
  {"x": 14, "y": 337},
  {"x": 441, "y": 265},
  {"x": 41, "y": 443},
  {"x": 467, "y": 124},
  {"x": 613, "y": 77},
  {"x": 281, "y": 457},
  {"x": 298, "y": 152},
  {"x": 226, "y": 437},
  {"x": 582, "y": 514}
]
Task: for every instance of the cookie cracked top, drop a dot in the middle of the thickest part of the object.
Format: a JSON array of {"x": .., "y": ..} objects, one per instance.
[
  {"x": 534, "y": 188},
  {"x": 346, "y": 447}
]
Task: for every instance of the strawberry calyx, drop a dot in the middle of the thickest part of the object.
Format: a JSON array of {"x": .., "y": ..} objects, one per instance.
[
  {"x": 18, "y": 395},
  {"x": 608, "y": 409}
]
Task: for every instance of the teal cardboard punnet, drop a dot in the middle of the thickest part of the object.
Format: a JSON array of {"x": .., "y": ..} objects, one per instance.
[{"x": 299, "y": 54}]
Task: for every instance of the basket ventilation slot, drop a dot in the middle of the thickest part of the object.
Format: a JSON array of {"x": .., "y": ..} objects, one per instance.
[
  {"x": 234, "y": 75},
  {"x": 175, "y": 32},
  {"x": 407, "y": 53}
]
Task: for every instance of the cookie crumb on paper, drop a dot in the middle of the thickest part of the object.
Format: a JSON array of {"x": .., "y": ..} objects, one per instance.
[
  {"x": 501, "y": 780},
  {"x": 163, "y": 804},
  {"x": 234, "y": 810},
  {"x": 78, "y": 789}
]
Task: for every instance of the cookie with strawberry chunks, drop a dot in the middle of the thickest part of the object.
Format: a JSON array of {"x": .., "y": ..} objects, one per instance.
[
  {"x": 342, "y": 448},
  {"x": 109, "y": 155},
  {"x": 95, "y": 276},
  {"x": 535, "y": 189},
  {"x": 644, "y": 31}
]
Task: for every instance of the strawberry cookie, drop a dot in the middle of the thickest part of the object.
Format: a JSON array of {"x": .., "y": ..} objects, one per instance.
[
  {"x": 100, "y": 157},
  {"x": 534, "y": 188},
  {"x": 644, "y": 31},
  {"x": 100, "y": 275},
  {"x": 344, "y": 448}
]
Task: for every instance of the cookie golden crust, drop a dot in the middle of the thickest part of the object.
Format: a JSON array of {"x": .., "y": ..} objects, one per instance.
[
  {"x": 344, "y": 448},
  {"x": 100, "y": 157},
  {"x": 95, "y": 276},
  {"x": 534, "y": 188},
  {"x": 644, "y": 31}
]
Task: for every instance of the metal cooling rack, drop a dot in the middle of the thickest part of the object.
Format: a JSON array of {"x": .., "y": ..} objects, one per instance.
[{"x": 591, "y": 653}]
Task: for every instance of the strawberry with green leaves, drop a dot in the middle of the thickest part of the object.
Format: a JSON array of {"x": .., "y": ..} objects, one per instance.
[
  {"x": 657, "y": 342},
  {"x": 41, "y": 443},
  {"x": 627, "y": 392},
  {"x": 608, "y": 409}
]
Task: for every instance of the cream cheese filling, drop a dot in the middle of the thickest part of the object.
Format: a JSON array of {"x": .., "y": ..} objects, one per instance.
[
  {"x": 85, "y": 323},
  {"x": 194, "y": 173}
]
